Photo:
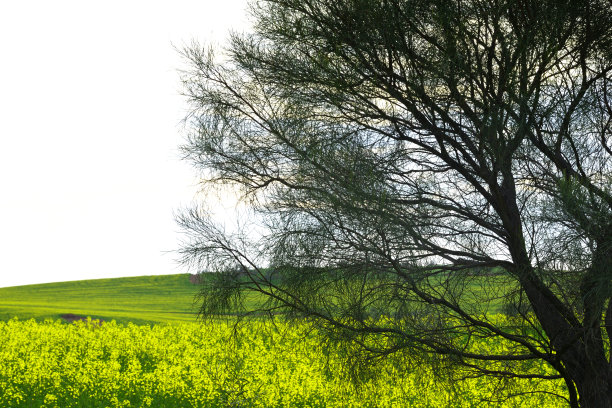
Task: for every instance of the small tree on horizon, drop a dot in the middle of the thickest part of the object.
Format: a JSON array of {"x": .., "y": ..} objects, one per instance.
[{"x": 423, "y": 160}]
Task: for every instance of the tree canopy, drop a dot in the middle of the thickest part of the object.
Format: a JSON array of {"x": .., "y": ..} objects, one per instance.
[{"x": 420, "y": 166}]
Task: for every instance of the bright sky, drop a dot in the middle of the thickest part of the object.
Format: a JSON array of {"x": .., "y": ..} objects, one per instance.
[{"x": 90, "y": 116}]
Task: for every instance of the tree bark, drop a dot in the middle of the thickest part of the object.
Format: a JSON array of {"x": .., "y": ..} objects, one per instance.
[
  {"x": 593, "y": 374},
  {"x": 588, "y": 366},
  {"x": 592, "y": 380}
]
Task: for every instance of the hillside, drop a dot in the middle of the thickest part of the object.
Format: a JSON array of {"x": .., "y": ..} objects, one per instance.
[{"x": 141, "y": 300}]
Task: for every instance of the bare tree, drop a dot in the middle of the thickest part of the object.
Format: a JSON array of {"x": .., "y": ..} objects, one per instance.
[{"x": 418, "y": 164}]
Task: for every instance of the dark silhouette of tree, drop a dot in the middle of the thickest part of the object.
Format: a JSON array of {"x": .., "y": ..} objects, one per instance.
[{"x": 420, "y": 165}]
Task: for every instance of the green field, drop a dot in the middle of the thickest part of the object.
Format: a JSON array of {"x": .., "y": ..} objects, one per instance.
[
  {"x": 152, "y": 352},
  {"x": 140, "y": 300}
]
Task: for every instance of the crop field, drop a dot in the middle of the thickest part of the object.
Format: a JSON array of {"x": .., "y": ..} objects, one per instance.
[
  {"x": 86, "y": 364},
  {"x": 149, "y": 351}
]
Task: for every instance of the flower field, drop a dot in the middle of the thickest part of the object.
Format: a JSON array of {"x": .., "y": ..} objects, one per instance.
[{"x": 85, "y": 364}]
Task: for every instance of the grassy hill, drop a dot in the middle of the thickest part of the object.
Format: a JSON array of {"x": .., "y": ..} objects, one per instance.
[{"x": 141, "y": 300}]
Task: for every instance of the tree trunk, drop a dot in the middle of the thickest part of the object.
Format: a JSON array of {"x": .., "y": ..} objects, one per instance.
[
  {"x": 593, "y": 384},
  {"x": 593, "y": 374}
]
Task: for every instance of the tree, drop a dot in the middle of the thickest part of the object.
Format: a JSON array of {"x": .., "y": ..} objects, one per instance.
[{"x": 425, "y": 161}]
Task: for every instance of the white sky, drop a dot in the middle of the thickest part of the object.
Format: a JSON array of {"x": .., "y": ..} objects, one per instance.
[{"x": 89, "y": 128}]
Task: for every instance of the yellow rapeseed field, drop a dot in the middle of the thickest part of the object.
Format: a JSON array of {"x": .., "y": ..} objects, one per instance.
[{"x": 85, "y": 364}]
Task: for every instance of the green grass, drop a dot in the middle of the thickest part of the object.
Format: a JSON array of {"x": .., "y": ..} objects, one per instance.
[
  {"x": 143, "y": 299},
  {"x": 140, "y": 300}
]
